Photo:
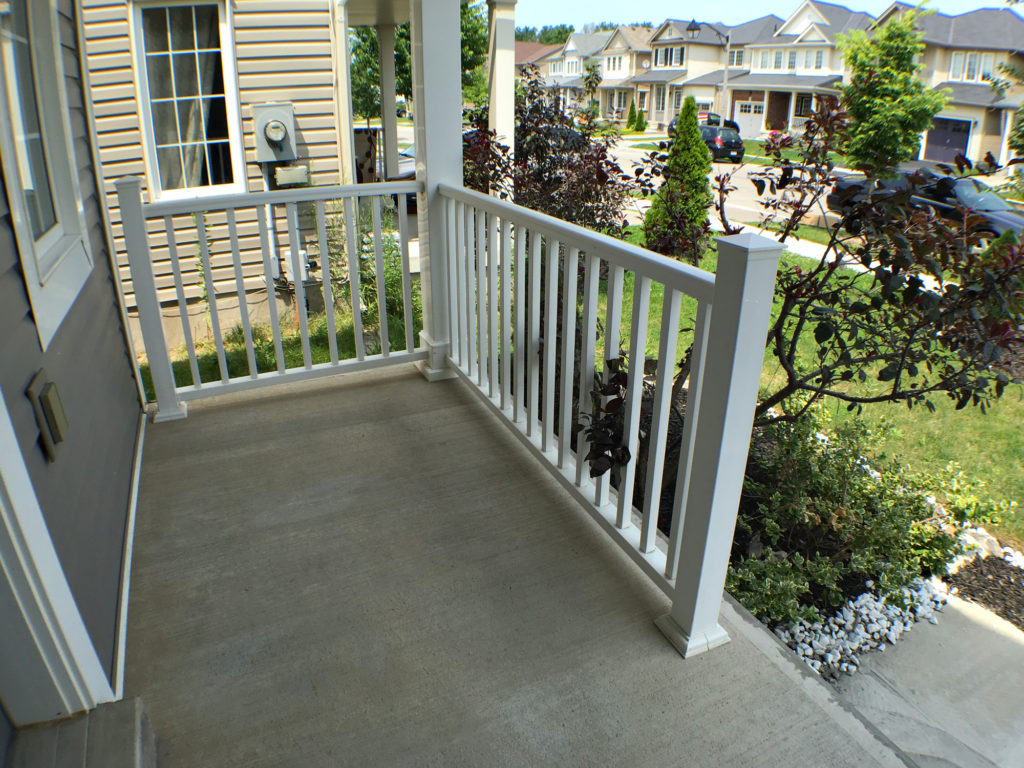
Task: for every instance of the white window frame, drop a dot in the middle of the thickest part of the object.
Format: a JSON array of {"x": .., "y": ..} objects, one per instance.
[
  {"x": 735, "y": 58},
  {"x": 641, "y": 100},
  {"x": 556, "y": 67},
  {"x": 819, "y": 58},
  {"x": 778, "y": 54},
  {"x": 956, "y": 65},
  {"x": 236, "y": 139},
  {"x": 791, "y": 60},
  {"x": 680, "y": 54},
  {"x": 55, "y": 266},
  {"x": 766, "y": 57}
]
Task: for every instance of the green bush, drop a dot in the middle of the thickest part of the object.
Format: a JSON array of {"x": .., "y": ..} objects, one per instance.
[
  {"x": 393, "y": 293},
  {"x": 631, "y": 118},
  {"x": 817, "y": 523},
  {"x": 641, "y": 121}
]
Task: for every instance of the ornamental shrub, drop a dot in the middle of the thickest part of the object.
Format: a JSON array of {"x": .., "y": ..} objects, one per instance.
[
  {"x": 677, "y": 222},
  {"x": 817, "y": 522},
  {"x": 631, "y": 119},
  {"x": 640, "y": 124}
]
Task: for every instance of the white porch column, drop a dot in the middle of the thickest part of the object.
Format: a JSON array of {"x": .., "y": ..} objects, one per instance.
[
  {"x": 792, "y": 111},
  {"x": 342, "y": 55},
  {"x": 744, "y": 285},
  {"x": 501, "y": 17},
  {"x": 388, "y": 99},
  {"x": 437, "y": 93},
  {"x": 48, "y": 665}
]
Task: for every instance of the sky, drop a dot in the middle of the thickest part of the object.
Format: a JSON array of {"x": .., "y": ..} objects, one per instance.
[{"x": 538, "y": 13}]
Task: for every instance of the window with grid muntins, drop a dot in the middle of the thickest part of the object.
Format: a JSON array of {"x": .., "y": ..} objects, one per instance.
[{"x": 187, "y": 104}]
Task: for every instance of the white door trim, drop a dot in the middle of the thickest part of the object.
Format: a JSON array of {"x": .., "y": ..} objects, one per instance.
[{"x": 48, "y": 665}]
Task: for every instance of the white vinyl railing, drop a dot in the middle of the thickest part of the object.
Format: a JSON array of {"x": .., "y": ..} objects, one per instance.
[
  {"x": 354, "y": 233},
  {"x": 538, "y": 305}
]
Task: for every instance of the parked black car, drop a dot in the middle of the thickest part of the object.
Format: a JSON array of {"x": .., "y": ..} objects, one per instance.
[
  {"x": 948, "y": 196},
  {"x": 706, "y": 118},
  {"x": 723, "y": 143}
]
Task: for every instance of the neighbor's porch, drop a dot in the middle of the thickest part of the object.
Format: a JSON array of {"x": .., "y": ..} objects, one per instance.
[{"x": 372, "y": 571}]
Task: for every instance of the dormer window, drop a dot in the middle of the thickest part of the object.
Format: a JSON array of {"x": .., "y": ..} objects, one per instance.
[{"x": 765, "y": 55}]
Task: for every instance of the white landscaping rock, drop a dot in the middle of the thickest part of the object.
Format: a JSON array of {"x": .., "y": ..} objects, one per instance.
[{"x": 868, "y": 622}]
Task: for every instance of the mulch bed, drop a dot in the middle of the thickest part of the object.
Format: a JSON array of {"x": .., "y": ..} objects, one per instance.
[{"x": 995, "y": 584}]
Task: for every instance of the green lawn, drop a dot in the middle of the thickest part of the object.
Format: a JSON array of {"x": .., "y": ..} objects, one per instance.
[
  {"x": 988, "y": 446},
  {"x": 755, "y": 155}
]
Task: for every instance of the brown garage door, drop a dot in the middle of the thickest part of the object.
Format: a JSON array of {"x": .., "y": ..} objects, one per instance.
[{"x": 947, "y": 139}]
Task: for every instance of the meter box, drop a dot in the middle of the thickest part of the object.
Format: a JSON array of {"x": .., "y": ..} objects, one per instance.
[{"x": 274, "y": 132}]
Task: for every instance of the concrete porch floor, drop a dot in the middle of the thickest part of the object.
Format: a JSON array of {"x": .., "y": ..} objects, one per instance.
[{"x": 372, "y": 571}]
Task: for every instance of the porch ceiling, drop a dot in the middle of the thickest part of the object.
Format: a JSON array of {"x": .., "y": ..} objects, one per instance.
[{"x": 372, "y": 571}]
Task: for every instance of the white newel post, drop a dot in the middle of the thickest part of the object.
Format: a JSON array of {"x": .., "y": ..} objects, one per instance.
[
  {"x": 136, "y": 243},
  {"x": 744, "y": 285},
  {"x": 388, "y": 115},
  {"x": 501, "y": 15},
  {"x": 435, "y": 34}
]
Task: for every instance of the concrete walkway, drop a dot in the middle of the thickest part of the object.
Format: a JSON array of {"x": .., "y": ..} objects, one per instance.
[
  {"x": 949, "y": 694},
  {"x": 372, "y": 571}
]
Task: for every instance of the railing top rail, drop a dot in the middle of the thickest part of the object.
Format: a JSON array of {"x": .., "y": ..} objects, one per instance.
[
  {"x": 683, "y": 277},
  {"x": 278, "y": 196}
]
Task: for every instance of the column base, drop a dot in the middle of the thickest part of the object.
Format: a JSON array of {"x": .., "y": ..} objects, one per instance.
[
  {"x": 686, "y": 645},
  {"x": 173, "y": 414},
  {"x": 435, "y": 367}
]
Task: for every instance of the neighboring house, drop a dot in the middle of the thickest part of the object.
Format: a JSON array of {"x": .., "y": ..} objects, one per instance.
[
  {"x": 535, "y": 54},
  {"x": 566, "y": 68},
  {"x": 693, "y": 66},
  {"x": 625, "y": 55},
  {"x": 174, "y": 86},
  {"x": 962, "y": 53},
  {"x": 791, "y": 66}
]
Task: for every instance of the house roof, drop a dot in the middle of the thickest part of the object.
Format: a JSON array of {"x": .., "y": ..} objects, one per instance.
[
  {"x": 588, "y": 44},
  {"x": 740, "y": 34},
  {"x": 994, "y": 29},
  {"x": 715, "y": 78},
  {"x": 979, "y": 96},
  {"x": 636, "y": 38},
  {"x": 616, "y": 83},
  {"x": 530, "y": 53},
  {"x": 789, "y": 82},
  {"x": 660, "y": 76},
  {"x": 838, "y": 20}
]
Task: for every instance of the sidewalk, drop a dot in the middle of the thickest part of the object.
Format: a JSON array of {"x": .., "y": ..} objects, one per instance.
[{"x": 949, "y": 694}]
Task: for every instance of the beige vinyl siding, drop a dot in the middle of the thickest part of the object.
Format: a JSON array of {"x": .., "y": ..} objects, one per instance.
[{"x": 283, "y": 53}]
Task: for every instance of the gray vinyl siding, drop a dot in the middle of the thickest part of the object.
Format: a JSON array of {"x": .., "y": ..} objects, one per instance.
[
  {"x": 6, "y": 732},
  {"x": 283, "y": 53},
  {"x": 84, "y": 495}
]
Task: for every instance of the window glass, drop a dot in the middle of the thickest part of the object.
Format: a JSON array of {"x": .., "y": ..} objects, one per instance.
[
  {"x": 682, "y": 57},
  {"x": 808, "y": 58},
  {"x": 27, "y": 128},
  {"x": 792, "y": 60},
  {"x": 188, "y": 108},
  {"x": 819, "y": 59},
  {"x": 987, "y": 62},
  {"x": 778, "y": 59},
  {"x": 956, "y": 66},
  {"x": 971, "y": 70},
  {"x": 764, "y": 59}
]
